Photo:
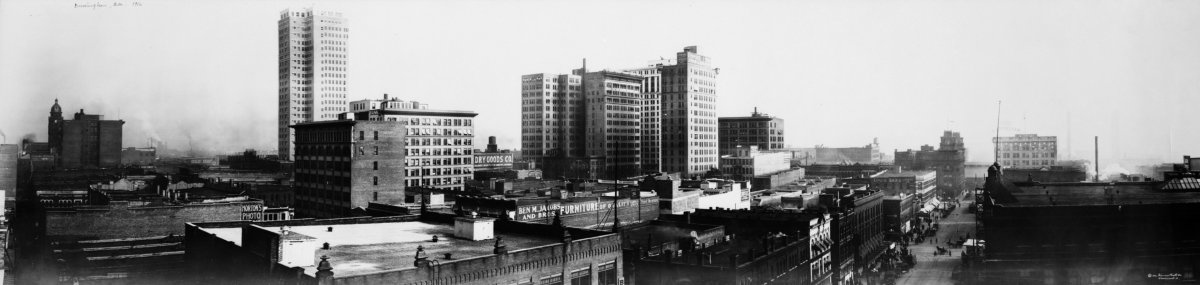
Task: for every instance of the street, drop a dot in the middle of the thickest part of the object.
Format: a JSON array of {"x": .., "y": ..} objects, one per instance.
[{"x": 931, "y": 269}]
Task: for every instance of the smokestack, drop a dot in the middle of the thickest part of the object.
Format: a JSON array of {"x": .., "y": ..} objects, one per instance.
[{"x": 1097, "y": 160}]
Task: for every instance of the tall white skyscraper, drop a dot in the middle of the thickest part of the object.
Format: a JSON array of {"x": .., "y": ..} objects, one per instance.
[
  {"x": 312, "y": 70},
  {"x": 689, "y": 114}
]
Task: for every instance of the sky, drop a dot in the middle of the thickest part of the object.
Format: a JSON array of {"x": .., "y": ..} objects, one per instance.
[{"x": 202, "y": 74}]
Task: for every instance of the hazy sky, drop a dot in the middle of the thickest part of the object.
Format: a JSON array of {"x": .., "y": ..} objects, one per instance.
[{"x": 839, "y": 72}]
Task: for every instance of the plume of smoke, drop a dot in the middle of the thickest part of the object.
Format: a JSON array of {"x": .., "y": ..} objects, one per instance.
[{"x": 2, "y": 135}]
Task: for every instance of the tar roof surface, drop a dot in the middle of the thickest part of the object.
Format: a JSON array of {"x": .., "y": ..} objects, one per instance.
[
  {"x": 364, "y": 248},
  {"x": 1077, "y": 194}
]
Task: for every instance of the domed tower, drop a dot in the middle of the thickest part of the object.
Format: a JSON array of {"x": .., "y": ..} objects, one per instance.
[{"x": 55, "y": 128}]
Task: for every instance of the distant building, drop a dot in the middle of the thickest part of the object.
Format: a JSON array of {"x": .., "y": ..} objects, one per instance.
[
  {"x": 138, "y": 156},
  {"x": 868, "y": 154},
  {"x": 492, "y": 159},
  {"x": 758, "y": 129},
  {"x": 439, "y": 143},
  {"x": 949, "y": 160},
  {"x": 312, "y": 70},
  {"x": 1027, "y": 151},
  {"x": 85, "y": 141},
  {"x": 749, "y": 161},
  {"x": 342, "y": 165},
  {"x": 430, "y": 249},
  {"x": 922, "y": 183},
  {"x": 8, "y": 171}
]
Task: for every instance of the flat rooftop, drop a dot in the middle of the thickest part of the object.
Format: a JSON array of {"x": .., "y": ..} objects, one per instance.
[
  {"x": 906, "y": 173},
  {"x": 1091, "y": 193},
  {"x": 371, "y": 247}
]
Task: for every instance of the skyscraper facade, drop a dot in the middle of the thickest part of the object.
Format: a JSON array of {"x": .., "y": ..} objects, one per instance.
[
  {"x": 689, "y": 114},
  {"x": 552, "y": 116},
  {"x": 312, "y": 70},
  {"x": 652, "y": 113},
  {"x": 614, "y": 119}
]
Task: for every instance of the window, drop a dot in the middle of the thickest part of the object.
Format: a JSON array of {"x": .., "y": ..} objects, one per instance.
[
  {"x": 376, "y": 135},
  {"x": 376, "y": 196},
  {"x": 608, "y": 274},
  {"x": 375, "y": 180},
  {"x": 581, "y": 277},
  {"x": 376, "y": 150},
  {"x": 361, "y": 135},
  {"x": 375, "y": 165},
  {"x": 552, "y": 280}
]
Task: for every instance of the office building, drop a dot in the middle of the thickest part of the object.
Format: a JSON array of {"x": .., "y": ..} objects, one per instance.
[
  {"x": 552, "y": 119},
  {"x": 1027, "y": 151},
  {"x": 428, "y": 249},
  {"x": 758, "y": 129},
  {"x": 652, "y": 113},
  {"x": 584, "y": 125},
  {"x": 439, "y": 144},
  {"x": 613, "y": 126},
  {"x": 689, "y": 114},
  {"x": 312, "y": 70},
  {"x": 346, "y": 164},
  {"x": 949, "y": 160}
]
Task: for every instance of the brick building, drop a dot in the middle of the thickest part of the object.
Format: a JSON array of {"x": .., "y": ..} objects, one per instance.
[
  {"x": 922, "y": 183},
  {"x": 858, "y": 228},
  {"x": 116, "y": 237},
  {"x": 1087, "y": 232},
  {"x": 85, "y": 141},
  {"x": 345, "y": 164},
  {"x": 758, "y": 129},
  {"x": 591, "y": 212},
  {"x": 139, "y": 156},
  {"x": 437, "y": 144},
  {"x": 758, "y": 247},
  {"x": 426, "y": 249}
]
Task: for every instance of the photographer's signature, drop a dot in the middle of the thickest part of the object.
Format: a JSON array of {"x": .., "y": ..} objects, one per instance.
[
  {"x": 1164, "y": 276},
  {"x": 98, "y": 5}
]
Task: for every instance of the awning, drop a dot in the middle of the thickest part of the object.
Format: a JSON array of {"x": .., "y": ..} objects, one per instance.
[{"x": 933, "y": 203}]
